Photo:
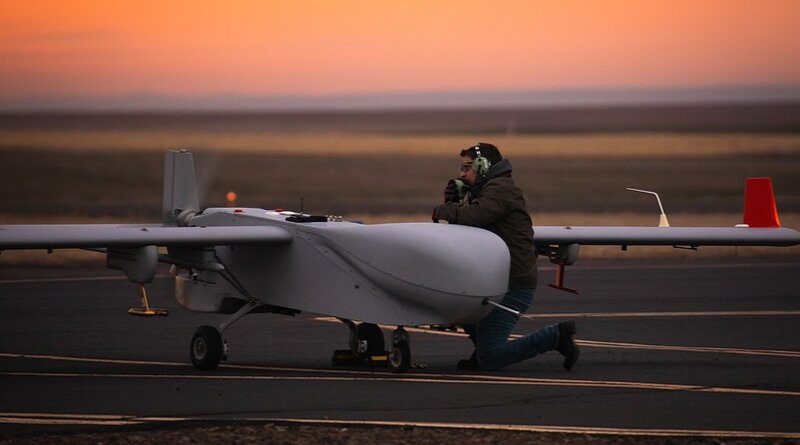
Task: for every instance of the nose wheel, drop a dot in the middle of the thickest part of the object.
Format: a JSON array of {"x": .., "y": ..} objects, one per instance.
[
  {"x": 400, "y": 355},
  {"x": 206, "y": 348}
]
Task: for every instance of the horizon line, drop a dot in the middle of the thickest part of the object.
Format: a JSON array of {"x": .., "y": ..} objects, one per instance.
[{"x": 408, "y": 100}]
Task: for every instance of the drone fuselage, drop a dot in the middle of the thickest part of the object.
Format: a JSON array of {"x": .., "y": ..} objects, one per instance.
[{"x": 396, "y": 274}]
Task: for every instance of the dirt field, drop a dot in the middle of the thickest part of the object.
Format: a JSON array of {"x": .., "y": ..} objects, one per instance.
[
  {"x": 263, "y": 142},
  {"x": 775, "y": 117},
  {"x": 284, "y": 434},
  {"x": 119, "y": 183}
]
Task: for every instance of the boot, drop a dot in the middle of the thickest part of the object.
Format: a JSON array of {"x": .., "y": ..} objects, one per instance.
[{"x": 566, "y": 344}]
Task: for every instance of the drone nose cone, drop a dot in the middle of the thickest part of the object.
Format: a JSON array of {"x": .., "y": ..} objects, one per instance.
[{"x": 443, "y": 258}]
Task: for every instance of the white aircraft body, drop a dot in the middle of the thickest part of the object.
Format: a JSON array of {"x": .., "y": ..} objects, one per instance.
[{"x": 243, "y": 260}]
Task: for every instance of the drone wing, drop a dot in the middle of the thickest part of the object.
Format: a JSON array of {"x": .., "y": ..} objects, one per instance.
[
  {"x": 134, "y": 248},
  {"x": 54, "y": 236},
  {"x": 666, "y": 236},
  {"x": 761, "y": 227}
]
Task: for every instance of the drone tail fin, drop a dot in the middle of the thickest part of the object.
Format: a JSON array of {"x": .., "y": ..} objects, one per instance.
[
  {"x": 180, "y": 188},
  {"x": 759, "y": 203}
]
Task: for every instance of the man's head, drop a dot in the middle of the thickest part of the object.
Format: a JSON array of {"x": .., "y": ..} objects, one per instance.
[{"x": 471, "y": 170}]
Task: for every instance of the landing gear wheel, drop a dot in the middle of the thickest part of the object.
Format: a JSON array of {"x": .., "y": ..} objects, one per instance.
[
  {"x": 400, "y": 357},
  {"x": 373, "y": 335},
  {"x": 206, "y": 348},
  {"x": 367, "y": 346}
]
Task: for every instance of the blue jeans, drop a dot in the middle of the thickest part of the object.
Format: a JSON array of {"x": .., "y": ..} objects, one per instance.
[{"x": 494, "y": 351}]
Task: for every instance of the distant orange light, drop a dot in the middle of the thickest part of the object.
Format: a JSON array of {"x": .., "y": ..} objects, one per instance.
[{"x": 231, "y": 197}]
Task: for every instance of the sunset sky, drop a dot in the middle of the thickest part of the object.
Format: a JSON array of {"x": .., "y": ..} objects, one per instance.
[{"x": 195, "y": 48}]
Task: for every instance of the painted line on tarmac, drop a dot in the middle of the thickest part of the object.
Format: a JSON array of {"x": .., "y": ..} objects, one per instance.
[
  {"x": 666, "y": 314},
  {"x": 71, "y": 279},
  {"x": 676, "y": 266},
  {"x": 37, "y": 421},
  {"x": 100, "y": 419},
  {"x": 702, "y": 349},
  {"x": 416, "y": 377},
  {"x": 65, "y": 358},
  {"x": 474, "y": 378},
  {"x": 423, "y": 379},
  {"x": 78, "y": 419},
  {"x": 618, "y": 345},
  {"x": 61, "y": 280}
]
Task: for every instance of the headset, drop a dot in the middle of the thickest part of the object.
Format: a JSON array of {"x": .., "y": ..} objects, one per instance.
[{"x": 481, "y": 165}]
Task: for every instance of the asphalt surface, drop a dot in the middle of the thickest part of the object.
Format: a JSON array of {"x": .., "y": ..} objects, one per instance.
[{"x": 703, "y": 348}]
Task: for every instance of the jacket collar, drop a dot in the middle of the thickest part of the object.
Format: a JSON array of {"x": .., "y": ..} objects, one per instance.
[{"x": 502, "y": 168}]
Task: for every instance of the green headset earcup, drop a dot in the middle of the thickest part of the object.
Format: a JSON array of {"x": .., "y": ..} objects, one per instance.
[
  {"x": 462, "y": 188},
  {"x": 481, "y": 165}
]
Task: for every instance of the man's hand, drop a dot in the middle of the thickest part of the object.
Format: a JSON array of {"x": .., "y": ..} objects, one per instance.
[
  {"x": 451, "y": 191},
  {"x": 455, "y": 190}
]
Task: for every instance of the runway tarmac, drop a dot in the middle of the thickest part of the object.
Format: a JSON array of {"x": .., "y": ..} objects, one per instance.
[{"x": 706, "y": 348}]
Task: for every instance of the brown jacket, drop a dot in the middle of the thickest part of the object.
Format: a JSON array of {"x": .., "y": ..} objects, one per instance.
[{"x": 497, "y": 205}]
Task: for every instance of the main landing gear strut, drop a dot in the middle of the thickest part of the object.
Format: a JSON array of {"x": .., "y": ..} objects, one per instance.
[{"x": 367, "y": 347}]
